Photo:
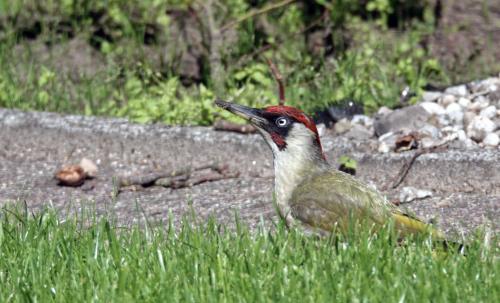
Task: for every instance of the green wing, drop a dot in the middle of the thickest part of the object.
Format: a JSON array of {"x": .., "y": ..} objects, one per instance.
[{"x": 331, "y": 199}]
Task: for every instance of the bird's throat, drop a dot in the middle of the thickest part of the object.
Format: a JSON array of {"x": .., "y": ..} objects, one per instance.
[{"x": 290, "y": 170}]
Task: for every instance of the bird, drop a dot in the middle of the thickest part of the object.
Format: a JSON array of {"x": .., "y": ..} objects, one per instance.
[{"x": 309, "y": 192}]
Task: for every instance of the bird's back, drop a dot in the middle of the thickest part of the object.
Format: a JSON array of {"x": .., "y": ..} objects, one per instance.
[{"x": 332, "y": 199}]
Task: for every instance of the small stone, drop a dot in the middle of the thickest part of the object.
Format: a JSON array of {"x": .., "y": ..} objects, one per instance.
[
  {"x": 444, "y": 120},
  {"x": 430, "y": 96},
  {"x": 342, "y": 126},
  {"x": 362, "y": 120},
  {"x": 459, "y": 90},
  {"x": 430, "y": 131},
  {"x": 410, "y": 117},
  {"x": 409, "y": 194},
  {"x": 492, "y": 139},
  {"x": 321, "y": 129},
  {"x": 384, "y": 148},
  {"x": 464, "y": 102},
  {"x": 447, "y": 100},
  {"x": 468, "y": 117},
  {"x": 88, "y": 167},
  {"x": 455, "y": 113},
  {"x": 462, "y": 136},
  {"x": 479, "y": 128},
  {"x": 358, "y": 132},
  {"x": 481, "y": 102},
  {"x": 489, "y": 112},
  {"x": 432, "y": 108}
]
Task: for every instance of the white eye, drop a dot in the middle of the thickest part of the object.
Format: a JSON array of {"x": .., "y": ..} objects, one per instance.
[{"x": 282, "y": 121}]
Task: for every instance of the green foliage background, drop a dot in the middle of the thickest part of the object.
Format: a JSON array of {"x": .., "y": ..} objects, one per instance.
[{"x": 369, "y": 60}]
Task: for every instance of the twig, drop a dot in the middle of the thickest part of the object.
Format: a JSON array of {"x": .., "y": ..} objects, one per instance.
[
  {"x": 176, "y": 175},
  {"x": 223, "y": 125},
  {"x": 255, "y": 12},
  {"x": 279, "y": 78},
  {"x": 177, "y": 183},
  {"x": 403, "y": 172}
]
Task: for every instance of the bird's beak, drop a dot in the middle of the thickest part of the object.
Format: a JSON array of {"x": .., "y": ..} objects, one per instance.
[{"x": 253, "y": 115}]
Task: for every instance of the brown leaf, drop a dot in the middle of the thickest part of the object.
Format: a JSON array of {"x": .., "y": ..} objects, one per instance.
[
  {"x": 71, "y": 175},
  {"x": 406, "y": 142}
]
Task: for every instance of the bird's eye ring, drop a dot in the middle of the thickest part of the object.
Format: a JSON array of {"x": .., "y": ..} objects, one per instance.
[{"x": 282, "y": 121}]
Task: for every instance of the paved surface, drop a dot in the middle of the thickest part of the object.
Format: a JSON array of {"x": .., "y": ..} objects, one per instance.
[{"x": 465, "y": 184}]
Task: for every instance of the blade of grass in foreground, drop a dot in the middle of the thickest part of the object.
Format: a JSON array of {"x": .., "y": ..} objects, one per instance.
[{"x": 45, "y": 259}]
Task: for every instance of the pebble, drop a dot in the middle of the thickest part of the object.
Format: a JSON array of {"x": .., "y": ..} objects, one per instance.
[
  {"x": 384, "y": 148},
  {"x": 321, "y": 129},
  {"x": 489, "y": 112},
  {"x": 464, "y": 102},
  {"x": 432, "y": 108},
  {"x": 431, "y": 96},
  {"x": 479, "y": 128},
  {"x": 462, "y": 136},
  {"x": 362, "y": 120},
  {"x": 492, "y": 139},
  {"x": 409, "y": 194},
  {"x": 459, "y": 90},
  {"x": 468, "y": 117},
  {"x": 358, "y": 132},
  {"x": 455, "y": 113},
  {"x": 467, "y": 114},
  {"x": 447, "y": 100},
  {"x": 342, "y": 126},
  {"x": 430, "y": 131}
]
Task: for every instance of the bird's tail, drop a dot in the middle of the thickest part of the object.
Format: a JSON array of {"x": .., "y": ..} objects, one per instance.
[{"x": 411, "y": 225}]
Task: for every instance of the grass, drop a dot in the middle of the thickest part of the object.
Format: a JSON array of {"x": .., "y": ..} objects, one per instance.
[{"x": 47, "y": 259}]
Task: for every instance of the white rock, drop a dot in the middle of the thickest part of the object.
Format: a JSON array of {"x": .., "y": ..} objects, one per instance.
[
  {"x": 384, "y": 147},
  {"x": 321, "y": 129},
  {"x": 489, "y": 112},
  {"x": 447, "y": 100},
  {"x": 470, "y": 144},
  {"x": 362, "y": 120},
  {"x": 342, "y": 126},
  {"x": 451, "y": 129},
  {"x": 479, "y": 104},
  {"x": 462, "y": 136},
  {"x": 430, "y": 96},
  {"x": 430, "y": 131},
  {"x": 88, "y": 167},
  {"x": 386, "y": 137},
  {"x": 491, "y": 139},
  {"x": 444, "y": 120},
  {"x": 468, "y": 117},
  {"x": 433, "y": 108},
  {"x": 479, "y": 128},
  {"x": 459, "y": 90},
  {"x": 464, "y": 102},
  {"x": 455, "y": 113},
  {"x": 409, "y": 194}
]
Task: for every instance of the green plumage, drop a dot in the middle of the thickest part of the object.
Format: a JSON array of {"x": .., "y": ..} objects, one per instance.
[{"x": 330, "y": 199}]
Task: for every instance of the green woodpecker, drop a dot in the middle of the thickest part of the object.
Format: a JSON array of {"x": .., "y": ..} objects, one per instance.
[{"x": 309, "y": 192}]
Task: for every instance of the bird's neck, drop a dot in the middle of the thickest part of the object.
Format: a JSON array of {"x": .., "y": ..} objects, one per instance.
[{"x": 292, "y": 167}]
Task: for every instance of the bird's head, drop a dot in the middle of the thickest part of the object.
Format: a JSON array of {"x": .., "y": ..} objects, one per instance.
[{"x": 287, "y": 130}]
